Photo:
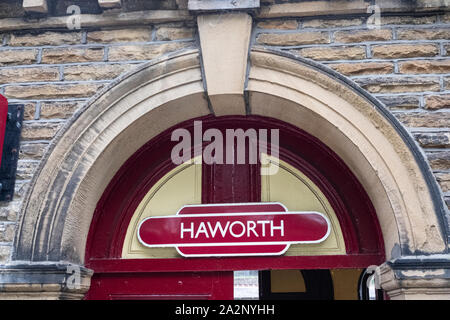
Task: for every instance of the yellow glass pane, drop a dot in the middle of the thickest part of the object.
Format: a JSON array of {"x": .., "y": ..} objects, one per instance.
[
  {"x": 286, "y": 281},
  {"x": 298, "y": 193},
  {"x": 177, "y": 188},
  {"x": 345, "y": 283}
]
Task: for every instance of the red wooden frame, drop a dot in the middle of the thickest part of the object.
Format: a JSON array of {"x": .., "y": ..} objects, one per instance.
[{"x": 355, "y": 212}]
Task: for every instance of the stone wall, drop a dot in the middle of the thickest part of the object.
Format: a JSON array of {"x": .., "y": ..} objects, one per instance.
[
  {"x": 405, "y": 63},
  {"x": 53, "y": 72}
]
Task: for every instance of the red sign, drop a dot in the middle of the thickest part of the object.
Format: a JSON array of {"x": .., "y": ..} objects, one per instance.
[{"x": 242, "y": 229}]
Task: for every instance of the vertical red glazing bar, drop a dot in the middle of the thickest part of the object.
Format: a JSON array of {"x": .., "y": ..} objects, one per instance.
[
  {"x": 231, "y": 183},
  {"x": 3, "y": 119}
]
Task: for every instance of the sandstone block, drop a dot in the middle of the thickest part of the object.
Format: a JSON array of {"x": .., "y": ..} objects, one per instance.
[
  {"x": 144, "y": 52},
  {"x": 32, "y": 74},
  {"x": 25, "y": 169},
  {"x": 393, "y": 84},
  {"x": 17, "y": 57},
  {"x": 443, "y": 178},
  {"x": 67, "y": 55},
  {"x": 407, "y": 19},
  {"x": 52, "y": 91},
  {"x": 32, "y": 151},
  {"x": 278, "y": 24},
  {"x": 120, "y": 35},
  {"x": 435, "y": 102},
  {"x": 174, "y": 33},
  {"x": 364, "y": 68},
  {"x": 40, "y": 130},
  {"x": 394, "y": 51},
  {"x": 439, "y": 160},
  {"x": 425, "y": 66},
  {"x": 96, "y": 72},
  {"x": 400, "y": 102},
  {"x": 424, "y": 34},
  {"x": 10, "y": 211},
  {"x": 5, "y": 253},
  {"x": 433, "y": 139},
  {"x": 48, "y": 38},
  {"x": 333, "y": 53},
  {"x": 425, "y": 119},
  {"x": 332, "y": 23},
  {"x": 363, "y": 35},
  {"x": 293, "y": 39},
  {"x": 58, "y": 110},
  {"x": 7, "y": 232}
]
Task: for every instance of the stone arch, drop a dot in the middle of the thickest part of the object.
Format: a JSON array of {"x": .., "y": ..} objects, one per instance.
[{"x": 86, "y": 154}]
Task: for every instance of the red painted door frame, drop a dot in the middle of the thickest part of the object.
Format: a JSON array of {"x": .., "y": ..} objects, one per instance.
[{"x": 223, "y": 184}]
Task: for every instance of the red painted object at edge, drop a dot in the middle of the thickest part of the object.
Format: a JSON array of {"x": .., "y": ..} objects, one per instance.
[{"x": 3, "y": 119}]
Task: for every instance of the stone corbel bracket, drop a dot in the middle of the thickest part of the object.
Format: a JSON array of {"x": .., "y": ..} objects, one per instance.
[{"x": 415, "y": 277}]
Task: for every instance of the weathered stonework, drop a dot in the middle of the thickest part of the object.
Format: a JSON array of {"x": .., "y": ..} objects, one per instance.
[
  {"x": 364, "y": 68},
  {"x": 362, "y": 36},
  {"x": 424, "y": 34},
  {"x": 392, "y": 51},
  {"x": 39, "y": 130},
  {"x": 120, "y": 35},
  {"x": 436, "y": 102},
  {"x": 396, "y": 84},
  {"x": 400, "y": 101},
  {"x": 45, "y": 39},
  {"x": 67, "y": 55},
  {"x": 331, "y": 23},
  {"x": 278, "y": 24},
  {"x": 293, "y": 39},
  {"x": 54, "y": 72},
  {"x": 167, "y": 33},
  {"x": 433, "y": 139},
  {"x": 52, "y": 91},
  {"x": 18, "y": 57},
  {"x": 95, "y": 72},
  {"x": 57, "y": 109},
  {"x": 5, "y": 253},
  {"x": 421, "y": 119},
  {"x": 32, "y": 151},
  {"x": 439, "y": 160},
  {"x": 33, "y": 74},
  {"x": 444, "y": 178},
  {"x": 144, "y": 52},
  {"x": 333, "y": 53},
  {"x": 418, "y": 66}
]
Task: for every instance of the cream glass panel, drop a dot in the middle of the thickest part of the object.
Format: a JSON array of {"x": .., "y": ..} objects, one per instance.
[
  {"x": 182, "y": 186},
  {"x": 177, "y": 188},
  {"x": 298, "y": 193}
]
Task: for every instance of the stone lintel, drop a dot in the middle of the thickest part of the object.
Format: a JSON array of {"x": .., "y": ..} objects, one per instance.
[
  {"x": 345, "y": 7},
  {"x": 217, "y": 5}
]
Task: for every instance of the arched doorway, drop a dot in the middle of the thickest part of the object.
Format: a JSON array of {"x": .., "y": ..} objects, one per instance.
[
  {"x": 59, "y": 208},
  {"x": 149, "y": 184}
]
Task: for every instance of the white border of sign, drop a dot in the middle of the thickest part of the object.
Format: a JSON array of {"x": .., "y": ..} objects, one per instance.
[{"x": 287, "y": 243}]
